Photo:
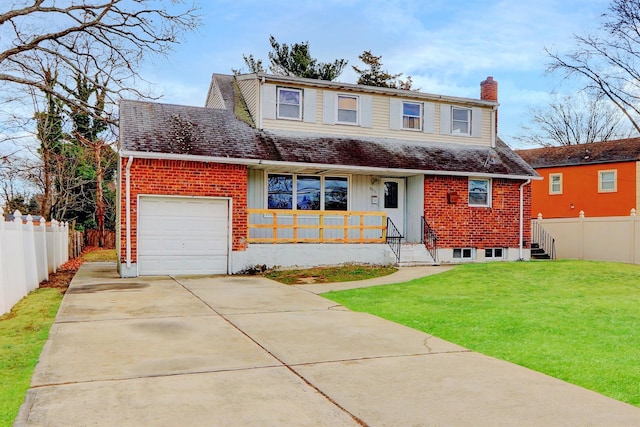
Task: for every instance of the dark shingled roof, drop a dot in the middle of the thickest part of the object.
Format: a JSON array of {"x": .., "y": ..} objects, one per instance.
[
  {"x": 173, "y": 129},
  {"x": 621, "y": 150}
]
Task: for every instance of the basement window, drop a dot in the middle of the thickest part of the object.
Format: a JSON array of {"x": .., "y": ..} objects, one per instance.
[
  {"x": 494, "y": 253},
  {"x": 464, "y": 253}
]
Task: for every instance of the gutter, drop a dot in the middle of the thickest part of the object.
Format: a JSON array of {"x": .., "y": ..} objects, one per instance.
[
  {"x": 344, "y": 168},
  {"x": 128, "y": 208},
  {"x": 527, "y": 182}
]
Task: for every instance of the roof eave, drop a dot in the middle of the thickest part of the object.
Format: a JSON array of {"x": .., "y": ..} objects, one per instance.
[
  {"x": 346, "y": 168},
  {"x": 366, "y": 89}
]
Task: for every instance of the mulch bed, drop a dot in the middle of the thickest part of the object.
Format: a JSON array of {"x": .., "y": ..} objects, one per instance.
[{"x": 62, "y": 277}]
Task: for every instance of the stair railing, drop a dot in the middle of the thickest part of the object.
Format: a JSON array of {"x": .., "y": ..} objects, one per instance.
[
  {"x": 430, "y": 239},
  {"x": 544, "y": 240},
  {"x": 394, "y": 238}
]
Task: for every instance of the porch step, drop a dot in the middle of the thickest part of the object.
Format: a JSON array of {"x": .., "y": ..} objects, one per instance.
[{"x": 415, "y": 255}]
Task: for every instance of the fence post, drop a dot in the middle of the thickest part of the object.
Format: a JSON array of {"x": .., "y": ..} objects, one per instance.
[
  {"x": 20, "y": 266},
  {"x": 581, "y": 234},
  {"x": 41, "y": 250},
  {"x": 30, "y": 260},
  {"x": 4, "y": 300},
  {"x": 632, "y": 234}
]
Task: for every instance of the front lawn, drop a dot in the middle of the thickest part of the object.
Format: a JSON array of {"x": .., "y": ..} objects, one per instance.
[{"x": 575, "y": 320}]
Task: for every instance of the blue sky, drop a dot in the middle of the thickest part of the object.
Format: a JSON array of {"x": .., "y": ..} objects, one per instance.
[{"x": 447, "y": 46}]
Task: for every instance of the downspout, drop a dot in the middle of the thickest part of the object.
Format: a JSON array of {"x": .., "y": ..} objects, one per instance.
[
  {"x": 127, "y": 175},
  {"x": 522, "y": 216}
]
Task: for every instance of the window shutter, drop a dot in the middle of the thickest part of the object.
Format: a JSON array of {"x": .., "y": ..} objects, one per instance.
[
  {"x": 309, "y": 111},
  {"x": 328, "y": 107},
  {"x": 445, "y": 119},
  {"x": 366, "y": 111},
  {"x": 429, "y": 112},
  {"x": 395, "y": 114},
  {"x": 268, "y": 101},
  {"x": 476, "y": 122}
]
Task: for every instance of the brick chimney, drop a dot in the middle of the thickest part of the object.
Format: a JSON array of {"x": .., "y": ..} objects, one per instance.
[
  {"x": 489, "y": 92},
  {"x": 489, "y": 89}
]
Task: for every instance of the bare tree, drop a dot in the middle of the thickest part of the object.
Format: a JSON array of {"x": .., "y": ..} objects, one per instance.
[
  {"x": 607, "y": 61},
  {"x": 53, "y": 32},
  {"x": 573, "y": 119}
]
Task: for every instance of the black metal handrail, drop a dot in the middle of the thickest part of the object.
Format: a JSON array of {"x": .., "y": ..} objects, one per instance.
[
  {"x": 394, "y": 238},
  {"x": 430, "y": 239},
  {"x": 544, "y": 240}
]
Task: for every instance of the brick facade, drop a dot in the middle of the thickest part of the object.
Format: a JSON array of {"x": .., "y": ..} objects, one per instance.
[
  {"x": 185, "y": 178},
  {"x": 460, "y": 226}
]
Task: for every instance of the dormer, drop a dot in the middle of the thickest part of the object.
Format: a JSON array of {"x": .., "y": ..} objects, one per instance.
[{"x": 283, "y": 103}]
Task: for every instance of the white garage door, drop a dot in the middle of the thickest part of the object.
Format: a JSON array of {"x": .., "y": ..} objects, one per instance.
[{"x": 182, "y": 236}]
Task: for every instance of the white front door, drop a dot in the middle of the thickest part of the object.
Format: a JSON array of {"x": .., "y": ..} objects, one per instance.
[{"x": 393, "y": 201}]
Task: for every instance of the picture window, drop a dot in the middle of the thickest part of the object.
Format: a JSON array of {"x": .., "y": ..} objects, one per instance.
[{"x": 310, "y": 192}]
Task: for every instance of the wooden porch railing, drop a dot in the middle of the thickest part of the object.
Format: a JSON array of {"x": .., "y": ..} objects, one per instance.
[{"x": 286, "y": 226}]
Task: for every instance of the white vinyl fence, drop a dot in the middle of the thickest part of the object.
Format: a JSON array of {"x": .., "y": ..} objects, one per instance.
[
  {"x": 612, "y": 238},
  {"x": 28, "y": 253}
]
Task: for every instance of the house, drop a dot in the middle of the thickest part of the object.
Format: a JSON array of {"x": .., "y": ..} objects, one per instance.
[
  {"x": 599, "y": 179},
  {"x": 286, "y": 171}
]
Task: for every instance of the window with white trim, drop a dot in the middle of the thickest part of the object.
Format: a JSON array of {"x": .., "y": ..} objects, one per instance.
[
  {"x": 460, "y": 121},
  {"x": 555, "y": 183},
  {"x": 289, "y": 104},
  {"x": 347, "y": 109},
  {"x": 412, "y": 115},
  {"x": 494, "y": 253},
  {"x": 479, "y": 192},
  {"x": 307, "y": 192},
  {"x": 608, "y": 181},
  {"x": 464, "y": 253}
]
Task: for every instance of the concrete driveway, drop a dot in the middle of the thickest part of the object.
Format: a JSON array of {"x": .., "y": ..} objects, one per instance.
[{"x": 247, "y": 351}]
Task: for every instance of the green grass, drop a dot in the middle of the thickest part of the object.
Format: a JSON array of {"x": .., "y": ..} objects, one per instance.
[
  {"x": 100, "y": 255},
  {"x": 575, "y": 320},
  {"x": 343, "y": 273},
  {"x": 23, "y": 332}
]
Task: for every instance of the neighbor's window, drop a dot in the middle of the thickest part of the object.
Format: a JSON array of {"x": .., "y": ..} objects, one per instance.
[
  {"x": 310, "y": 192},
  {"x": 555, "y": 183},
  {"x": 607, "y": 181},
  {"x": 411, "y": 115},
  {"x": 479, "y": 192},
  {"x": 461, "y": 121},
  {"x": 289, "y": 103},
  {"x": 463, "y": 253},
  {"x": 495, "y": 253},
  {"x": 347, "y": 109}
]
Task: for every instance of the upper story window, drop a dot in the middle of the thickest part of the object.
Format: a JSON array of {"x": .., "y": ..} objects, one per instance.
[
  {"x": 607, "y": 181},
  {"x": 555, "y": 183},
  {"x": 460, "y": 121},
  {"x": 289, "y": 103},
  {"x": 347, "y": 109},
  {"x": 479, "y": 192},
  {"x": 411, "y": 115}
]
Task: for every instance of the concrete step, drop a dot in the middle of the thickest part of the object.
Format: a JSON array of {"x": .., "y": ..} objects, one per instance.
[{"x": 415, "y": 255}]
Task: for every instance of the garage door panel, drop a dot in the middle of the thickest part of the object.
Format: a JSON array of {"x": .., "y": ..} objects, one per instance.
[{"x": 182, "y": 236}]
